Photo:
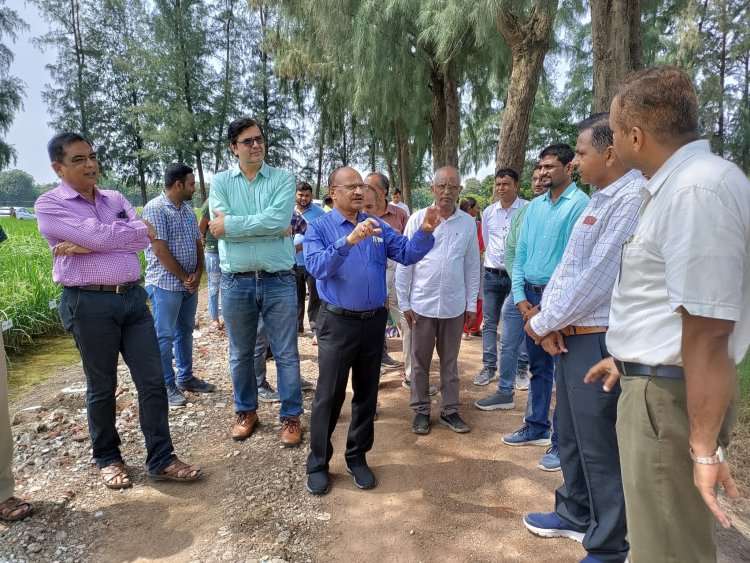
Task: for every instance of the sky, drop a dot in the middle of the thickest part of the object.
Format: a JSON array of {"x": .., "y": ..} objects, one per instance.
[{"x": 29, "y": 133}]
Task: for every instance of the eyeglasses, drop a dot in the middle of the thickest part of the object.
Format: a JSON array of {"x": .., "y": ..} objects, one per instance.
[
  {"x": 352, "y": 187},
  {"x": 452, "y": 188},
  {"x": 79, "y": 160},
  {"x": 250, "y": 141}
]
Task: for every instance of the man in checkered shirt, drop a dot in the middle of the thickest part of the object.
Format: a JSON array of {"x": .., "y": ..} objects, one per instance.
[{"x": 572, "y": 323}]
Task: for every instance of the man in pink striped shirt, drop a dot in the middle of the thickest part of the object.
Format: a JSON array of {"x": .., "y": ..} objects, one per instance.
[{"x": 94, "y": 236}]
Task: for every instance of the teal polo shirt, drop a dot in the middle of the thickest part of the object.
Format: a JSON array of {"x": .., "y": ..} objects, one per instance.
[{"x": 258, "y": 213}]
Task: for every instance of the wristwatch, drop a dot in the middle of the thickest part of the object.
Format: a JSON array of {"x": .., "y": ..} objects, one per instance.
[{"x": 718, "y": 457}]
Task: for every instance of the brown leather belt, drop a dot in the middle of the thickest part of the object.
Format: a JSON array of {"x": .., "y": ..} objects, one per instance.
[{"x": 574, "y": 330}]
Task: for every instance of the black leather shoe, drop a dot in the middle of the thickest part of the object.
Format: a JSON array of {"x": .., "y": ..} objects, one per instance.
[
  {"x": 317, "y": 483},
  {"x": 363, "y": 476}
]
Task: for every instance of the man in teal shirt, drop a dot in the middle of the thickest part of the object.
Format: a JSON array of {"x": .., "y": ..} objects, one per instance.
[
  {"x": 544, "y": 234},
  {"x": 251, "y": 205}
]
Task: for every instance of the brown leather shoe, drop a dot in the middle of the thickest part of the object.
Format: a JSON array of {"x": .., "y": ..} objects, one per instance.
[
  {"x": 292, "y": 434},
  {"x": 246, "y": 423}
]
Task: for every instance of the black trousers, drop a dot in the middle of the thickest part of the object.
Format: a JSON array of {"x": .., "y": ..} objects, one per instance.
[
  {"x": 306, "y": 284},
  {"x": 105, "y": 325},
  {"x": 346, "y": 344},
  {"x": 591, "y": 498}
]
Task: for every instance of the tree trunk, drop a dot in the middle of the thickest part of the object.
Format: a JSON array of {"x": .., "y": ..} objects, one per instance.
[
  {"x": 80, "y": 55},
  {"x": 529, "y": 43},
  {"x": 745, "y": 111},
  {"x": 719, "y": 135},
  {"x": 437, "y": 85},
  {"x": 220, "y": 146},
  {"x": 617, "y": 46},
  {"x": 321, "y": 137},
  {"x": 403, "y": 161},
  {"x": 452, "y": 115}
]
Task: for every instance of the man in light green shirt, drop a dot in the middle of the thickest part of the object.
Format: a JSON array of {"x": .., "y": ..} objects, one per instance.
[{"x": 251, "y": 206}]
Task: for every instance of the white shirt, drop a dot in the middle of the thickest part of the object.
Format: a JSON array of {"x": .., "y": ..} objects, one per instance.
[
  {"x": 445, "y": 283},
  {"x": 495, "y": 227},
  {"x": 402, "y": 205},
  {"x": 580, "y": 290},
  {"x": 691, "y": 249}
]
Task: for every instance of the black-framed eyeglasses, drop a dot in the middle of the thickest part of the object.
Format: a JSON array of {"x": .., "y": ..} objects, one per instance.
[
  {"x": 451, "y": 188},
  {"x": 351, "y": 187},
  {"x": 250, "y": 141}
]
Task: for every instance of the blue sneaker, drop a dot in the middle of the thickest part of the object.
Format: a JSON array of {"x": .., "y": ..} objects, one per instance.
[
  {"x": 551, "y": 460},
  {"x": 550, "y": 526},
  {"x": 496, "y": 401},
  {"x": 485, "y": 376},
  {"x": 523, "y": 437},
  {"x": 196, "y": 385},
  {"x": 592, "y": 559}
]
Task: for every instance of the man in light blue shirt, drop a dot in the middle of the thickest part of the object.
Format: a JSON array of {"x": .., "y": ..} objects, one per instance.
[
  {"x": 251, "y": 205},
  {"x": 546, "y": 228}
]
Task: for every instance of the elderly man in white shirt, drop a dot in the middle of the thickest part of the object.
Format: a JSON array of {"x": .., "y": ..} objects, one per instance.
[
  {"x": 438, "y": 296},
  {"x": 680, "y": 320}
]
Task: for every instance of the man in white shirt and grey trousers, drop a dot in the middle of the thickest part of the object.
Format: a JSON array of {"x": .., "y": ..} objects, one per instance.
[{"x": 438, "y": 297}]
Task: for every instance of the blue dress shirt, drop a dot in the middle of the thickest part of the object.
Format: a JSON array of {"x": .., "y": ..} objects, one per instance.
[{"x": 353, "y": 276}]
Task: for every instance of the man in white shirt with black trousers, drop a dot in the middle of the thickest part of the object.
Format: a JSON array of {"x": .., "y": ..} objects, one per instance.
[{"x": 438, "y": 295}]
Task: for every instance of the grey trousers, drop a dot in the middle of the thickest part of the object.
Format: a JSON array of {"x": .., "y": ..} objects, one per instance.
[
  {"x": 444, "y": 335},
  {"x": 398, "y": 315},
  {"x": 7, "y": 482},
  {"x": 591, "y": 499}
]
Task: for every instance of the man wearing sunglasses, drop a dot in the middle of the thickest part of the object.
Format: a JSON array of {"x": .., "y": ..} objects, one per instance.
[{"x": 251, "y": 208}]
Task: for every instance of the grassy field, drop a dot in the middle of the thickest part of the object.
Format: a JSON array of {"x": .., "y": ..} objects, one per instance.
[{"x": 26, "y": 289}]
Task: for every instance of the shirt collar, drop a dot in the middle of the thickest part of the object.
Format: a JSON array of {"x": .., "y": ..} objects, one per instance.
[
  {"x": 623, "y": 180},
  {"x": 169, "y": 202},
  {"x": 567, "y": 194},
  {"x": 675, "y": 161},
  {"x": 69, "y": 193},
  {"x": 264, "y": 169},
  {"x": 515, "y": 205}
]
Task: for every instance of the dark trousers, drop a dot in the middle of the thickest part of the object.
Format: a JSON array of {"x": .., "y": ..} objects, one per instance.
[
  {"x": 306, "y": 284},
  {"x": 345, "y": 344},
  {"x": 105, "y": 325},
  {"x": 591, "y": 498}
]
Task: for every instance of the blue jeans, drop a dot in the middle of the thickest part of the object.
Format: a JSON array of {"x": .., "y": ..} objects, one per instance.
[
  {"x": 514, "y": 360},
  {"x": 496, "y": 289},
  {"x": 542, "y": 373},
  {"x": 214, "y": 278},
  {"x": 245, "y": 298},
  {"x": 261, "y": 343},
  {"x": 174, "y": 318}
]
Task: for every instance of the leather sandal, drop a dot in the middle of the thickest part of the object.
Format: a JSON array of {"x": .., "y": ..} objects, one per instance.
[
  {"x": 178, "y": 471},
  {"x": 9, "y": 509},
  {"x": 115, "y": 476}
]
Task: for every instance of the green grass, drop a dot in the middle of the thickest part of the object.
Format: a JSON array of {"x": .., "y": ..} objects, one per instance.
[{"x": 27, "y": 288}]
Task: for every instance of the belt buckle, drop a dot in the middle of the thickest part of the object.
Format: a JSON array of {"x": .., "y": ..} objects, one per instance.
[{"x": 117, "y": 289}]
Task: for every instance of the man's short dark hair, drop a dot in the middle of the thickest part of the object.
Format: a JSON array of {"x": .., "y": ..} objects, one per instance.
[
  {"x": 396, "y": 191},
  {"x": 239, "y": 125},
  {"x": 662, "y": 101},
  {"x": 467, "y": 203},
  {"x": 601, "y": 134},
  {"x": 304, "y": 187},
  {"x": 383, "y": 182},
  {"x": 506, "y": 172},
  {"x": 57, "y": 144},
  {"x": 176, "y": 172},
  {"x": 327, "y": 200},
  {"x": 562, "y": 151}
]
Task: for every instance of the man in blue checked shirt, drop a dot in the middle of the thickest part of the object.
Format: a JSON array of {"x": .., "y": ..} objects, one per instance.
[
  {"x": 572, "y": 323},
  {"x": 546, "y": 228},
  {"x": 346, "y": 252},
  {"x": 174, "y": 265}
]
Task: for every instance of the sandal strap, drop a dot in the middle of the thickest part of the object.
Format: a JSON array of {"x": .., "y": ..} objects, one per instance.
[{"x": 179, "y": 469}]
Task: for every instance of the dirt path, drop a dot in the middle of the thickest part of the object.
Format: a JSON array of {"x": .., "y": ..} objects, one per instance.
[{"x": 441, "y": 497}]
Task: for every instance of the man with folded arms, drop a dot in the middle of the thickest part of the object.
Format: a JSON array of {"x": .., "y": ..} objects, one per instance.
[
  {"x": 347, "y": 251},
  {"x": 680, "y": 320},
  {"x": 439, "y": 296},
  {"x": 572, "y": 323},
  {"x": 95, "y": 235},
  {"x": 251, "y": 205}
]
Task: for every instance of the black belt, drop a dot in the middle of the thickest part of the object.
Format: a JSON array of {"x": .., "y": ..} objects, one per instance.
[
  {"x": 498, "y": 271},
  {"x": 535, "y": 288},
  {"x": 347, "y": 313},
  {"x": 642, "y": 370},
  {"x": 260, "y": 274},
  {"x": 120, "y": 288}
]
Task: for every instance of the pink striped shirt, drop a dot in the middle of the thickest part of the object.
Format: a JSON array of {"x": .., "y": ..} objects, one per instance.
[{"x": 110, "y": 227}]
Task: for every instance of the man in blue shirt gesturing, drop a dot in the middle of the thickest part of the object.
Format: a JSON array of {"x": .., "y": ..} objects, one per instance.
[{"x": 346, "y": 252}]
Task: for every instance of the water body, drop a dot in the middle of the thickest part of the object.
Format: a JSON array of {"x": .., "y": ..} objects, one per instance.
[{"x": 40, "y": 361}]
